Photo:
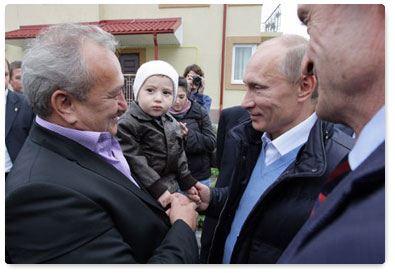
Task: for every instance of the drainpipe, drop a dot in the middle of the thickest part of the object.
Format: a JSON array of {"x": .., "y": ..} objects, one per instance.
[
  {"x": 221, "y": 95},
  {"x": 156, "y": 45}
]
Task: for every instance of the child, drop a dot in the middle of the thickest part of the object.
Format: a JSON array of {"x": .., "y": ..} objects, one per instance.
[{"x": 151, "y": 138}]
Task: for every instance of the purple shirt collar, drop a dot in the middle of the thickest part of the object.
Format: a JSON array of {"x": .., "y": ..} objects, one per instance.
[{"x": 101, "y": 143}]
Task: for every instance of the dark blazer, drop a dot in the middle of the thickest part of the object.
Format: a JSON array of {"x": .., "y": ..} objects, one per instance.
[
  {"x": 226, "y": 161},
  {"x": 66, "y": 204},
  {"x": 19, "y": 118},
  {"x": 349, "y": 227},
  {"x": 229, "y": 118}
]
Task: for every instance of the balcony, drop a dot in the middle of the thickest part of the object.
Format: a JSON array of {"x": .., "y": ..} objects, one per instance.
[{"x": 273, "y": 23}]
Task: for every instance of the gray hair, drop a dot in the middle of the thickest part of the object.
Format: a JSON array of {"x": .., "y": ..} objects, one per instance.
[
  {"x": 291, "y": 66},
  {"x": 53, "y": 62}
]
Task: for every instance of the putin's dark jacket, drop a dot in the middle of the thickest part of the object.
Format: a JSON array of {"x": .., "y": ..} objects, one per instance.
[{"x": 285, "y": 205}]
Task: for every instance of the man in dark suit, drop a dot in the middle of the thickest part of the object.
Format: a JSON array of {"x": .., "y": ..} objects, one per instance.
[
  {"x": 18, "y": 120},
  {"x": 70, "y": 197},
  {"x": 349, "y": 225}
]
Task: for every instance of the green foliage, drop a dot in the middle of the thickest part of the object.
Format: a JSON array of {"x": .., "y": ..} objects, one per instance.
[
  {"x": 215, "y": 128},
  {"x": 201, "y": 220},
  {"x": 214, "y": 172}
]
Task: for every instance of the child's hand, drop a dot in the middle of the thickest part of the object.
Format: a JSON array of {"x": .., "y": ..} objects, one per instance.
[
  {"x": 193, "y": 194},
  {"x": 164, "y": 199}
]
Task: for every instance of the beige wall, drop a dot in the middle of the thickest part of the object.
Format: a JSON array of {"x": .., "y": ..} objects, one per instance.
[
  {"x": 202, "y": 34},
  {"x": 19, "y": 15},
  {"x": 243, "y": 21}
]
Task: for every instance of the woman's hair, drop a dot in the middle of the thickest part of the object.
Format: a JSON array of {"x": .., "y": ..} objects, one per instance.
[
  {"x": 195, "y": 68},
  {"x": 53, "y": 61},
  {"x": 182, "y": 82}
]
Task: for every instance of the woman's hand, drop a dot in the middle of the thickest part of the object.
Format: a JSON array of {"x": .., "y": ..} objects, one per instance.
[{"x": 184, "y": 129}]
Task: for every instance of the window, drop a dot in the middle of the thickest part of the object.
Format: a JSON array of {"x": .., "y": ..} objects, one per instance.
[
  {"x": 241, "y": 55},
  {"x": 239, "y": 49}
]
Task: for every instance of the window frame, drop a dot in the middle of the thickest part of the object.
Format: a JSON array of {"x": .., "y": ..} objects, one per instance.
[
  {"x": 235, "y": 46},
  {"x": 230, "y": 42}
]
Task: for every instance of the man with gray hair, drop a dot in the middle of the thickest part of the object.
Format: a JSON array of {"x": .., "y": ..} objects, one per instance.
[
  {"x": 349, "y": 223},
  {"x": 70, "y": 196},
  {"x": 284, "y": 155}
]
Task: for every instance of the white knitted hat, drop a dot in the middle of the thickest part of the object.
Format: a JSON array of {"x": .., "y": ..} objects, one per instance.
[{"x": 151, "y": 68}]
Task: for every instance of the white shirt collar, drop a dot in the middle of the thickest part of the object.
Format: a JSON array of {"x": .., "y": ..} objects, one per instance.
[
  {"x": 288, "y": 141},
  {"x": 372, "y": 135}
]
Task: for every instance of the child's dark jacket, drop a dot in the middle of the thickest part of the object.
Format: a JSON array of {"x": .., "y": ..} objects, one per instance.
[{"x": 154, "y": 151}]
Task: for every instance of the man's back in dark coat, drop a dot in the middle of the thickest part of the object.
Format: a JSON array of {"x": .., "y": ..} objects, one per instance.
[{"x": 349, "y": 226}]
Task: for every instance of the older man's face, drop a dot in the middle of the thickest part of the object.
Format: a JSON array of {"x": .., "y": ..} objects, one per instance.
[
  {"x": 343, "y": 51},
  {"x": 99, "y": 112},
  {"x": 270, "y": 99}
]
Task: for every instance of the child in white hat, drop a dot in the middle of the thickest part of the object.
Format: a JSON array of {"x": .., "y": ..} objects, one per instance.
[{"x": 151, "y": 138}]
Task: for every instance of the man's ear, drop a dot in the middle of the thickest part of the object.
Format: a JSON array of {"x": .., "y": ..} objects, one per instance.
[
  {"x": 306, "y": 87},
  {"x": 63, "y": 104}
]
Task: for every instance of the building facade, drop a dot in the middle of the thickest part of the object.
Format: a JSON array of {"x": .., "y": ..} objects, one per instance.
[{"x": 220, "y": 38}]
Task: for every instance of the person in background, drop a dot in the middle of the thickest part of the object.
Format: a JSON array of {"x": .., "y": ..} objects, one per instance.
[
  {"x": 196, "y": 83},
  {"x": 284, "y": 155},
  {"x": 18, "y": 121},
  {"x": 348, "y": 223},
  {"x": 15, "y": 76},
  {"x": 70, "y": 197},
  {"x": 198, "y": 133},
  {"x": 151, "y": 138},
  {"x": 226, "y": 160}
]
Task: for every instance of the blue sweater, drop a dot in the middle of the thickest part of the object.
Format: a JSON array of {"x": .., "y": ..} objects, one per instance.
[{"x": 261, "y": 178}]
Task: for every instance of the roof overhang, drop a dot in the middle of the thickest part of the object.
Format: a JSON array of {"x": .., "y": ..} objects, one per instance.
[{"x": 129, "y": 33}]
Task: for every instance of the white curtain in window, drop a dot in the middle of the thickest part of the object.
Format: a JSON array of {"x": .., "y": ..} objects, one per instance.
[{"x": 242, "y": 55}]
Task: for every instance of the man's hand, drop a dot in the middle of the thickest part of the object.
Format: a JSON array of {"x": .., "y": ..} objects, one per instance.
[
  {"x": 182, "y": 208},
  {"x": 204, "y": 194},
  {"x": 164, "y": 199}
]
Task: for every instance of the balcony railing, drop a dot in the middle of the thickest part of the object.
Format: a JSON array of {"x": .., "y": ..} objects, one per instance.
[{"x": 273, "y": 23}]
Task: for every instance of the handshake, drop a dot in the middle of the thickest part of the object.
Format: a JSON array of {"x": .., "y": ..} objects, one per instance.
[{"x": 184, "y": 207}]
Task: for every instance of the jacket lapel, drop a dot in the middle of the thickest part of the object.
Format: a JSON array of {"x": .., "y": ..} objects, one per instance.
[
  {"x": 12, "y": 110},
  {"x": 88, "y": 160}
]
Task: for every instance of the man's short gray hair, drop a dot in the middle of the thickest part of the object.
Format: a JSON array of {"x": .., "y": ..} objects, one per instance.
[
  {"x": 53, "y": 62},
  {"x": 291, "y": 66}
]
